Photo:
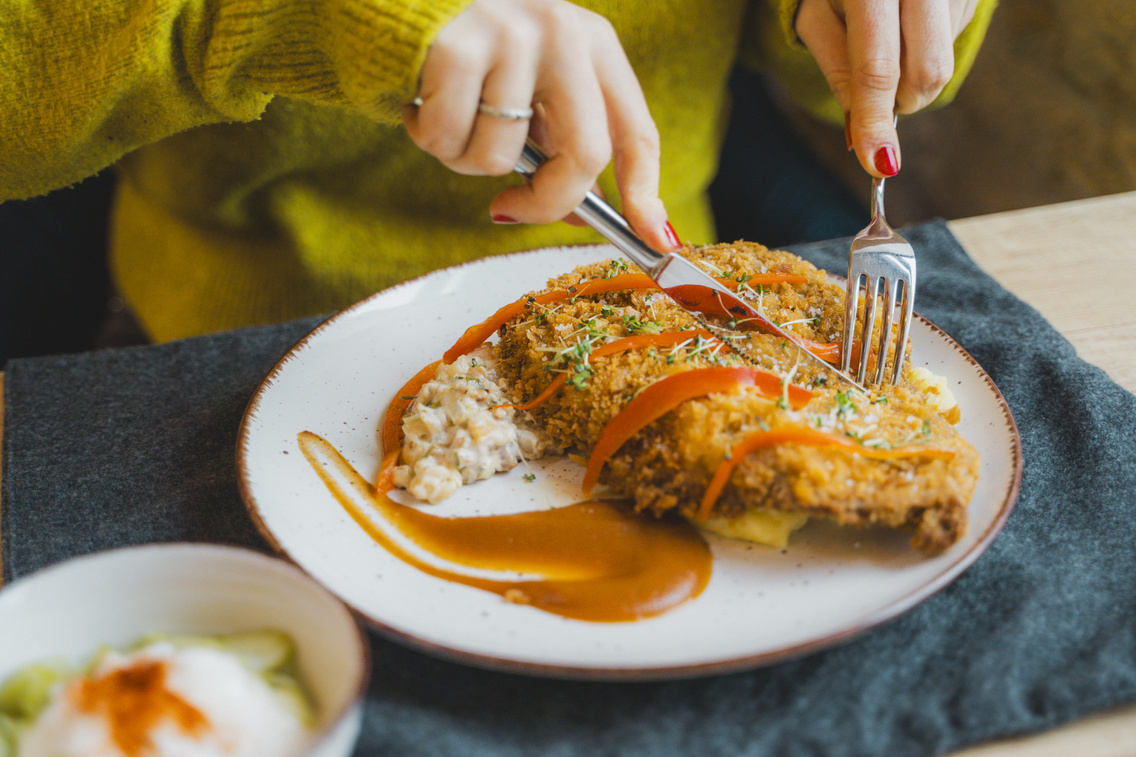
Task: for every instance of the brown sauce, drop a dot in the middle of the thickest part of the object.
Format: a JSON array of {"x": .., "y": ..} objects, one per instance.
[{"x": 594, "y": 560}]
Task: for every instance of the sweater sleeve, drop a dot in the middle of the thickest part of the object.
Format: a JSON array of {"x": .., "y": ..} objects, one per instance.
[
  {"x": 774, "y": 47},
  {"x": 85, "y": 83}
]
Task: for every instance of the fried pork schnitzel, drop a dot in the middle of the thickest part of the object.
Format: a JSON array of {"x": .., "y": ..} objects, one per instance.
[{"x": 720, "y": 425}]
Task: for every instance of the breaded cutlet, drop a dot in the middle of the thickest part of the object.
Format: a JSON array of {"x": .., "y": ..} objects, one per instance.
[{"x": 923, "y": 484}]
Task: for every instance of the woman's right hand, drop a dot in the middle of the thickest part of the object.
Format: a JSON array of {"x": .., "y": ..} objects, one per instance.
[{"x": 567, "y": 63}]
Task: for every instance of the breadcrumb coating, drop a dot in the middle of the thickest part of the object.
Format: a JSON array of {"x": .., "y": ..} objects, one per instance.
[{"x": 668, "y": 465}]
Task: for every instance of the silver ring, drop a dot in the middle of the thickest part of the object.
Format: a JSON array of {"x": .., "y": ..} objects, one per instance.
[{"x": 509, "y": 114}]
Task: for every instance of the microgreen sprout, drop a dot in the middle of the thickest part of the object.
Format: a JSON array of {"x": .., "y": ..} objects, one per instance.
[
  {"x": 815, "y": 321},
  {"x": 573, "y": 359},
  {"x": 783, "y": 400},
  {"x": 615, "y": 268},
  {"x": 845, "y": 407},
  {"x": 701, "y": 345},
  {"x": 637, "y": 326}
]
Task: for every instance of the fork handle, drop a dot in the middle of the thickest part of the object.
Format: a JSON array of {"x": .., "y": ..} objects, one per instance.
[{"x": 879, "y": 226}]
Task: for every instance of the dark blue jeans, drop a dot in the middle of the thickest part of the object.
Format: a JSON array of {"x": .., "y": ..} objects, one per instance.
[
  {"x": 54, "y": 284},
  {"x": 770, "y": 187}
]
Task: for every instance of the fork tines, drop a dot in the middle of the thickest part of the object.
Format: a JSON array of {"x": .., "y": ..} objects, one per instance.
[{"x": 883, "y": 263}]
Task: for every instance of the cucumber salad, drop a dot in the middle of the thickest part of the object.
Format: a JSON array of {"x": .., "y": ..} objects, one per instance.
[{"x": 236, "y": 695}]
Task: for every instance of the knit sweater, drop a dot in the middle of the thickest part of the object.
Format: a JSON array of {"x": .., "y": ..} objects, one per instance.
[{"x": 264, "y": 174}]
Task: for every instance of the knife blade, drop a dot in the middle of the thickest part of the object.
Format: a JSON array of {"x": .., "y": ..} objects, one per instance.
[{"x": 689, "y": 286}]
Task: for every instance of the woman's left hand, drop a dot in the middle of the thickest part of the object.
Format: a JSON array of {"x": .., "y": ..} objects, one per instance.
[{"x": 881, "y": 57}]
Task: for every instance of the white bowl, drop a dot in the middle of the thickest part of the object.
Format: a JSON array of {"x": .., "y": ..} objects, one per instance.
[{"x": 114, "y": 598}]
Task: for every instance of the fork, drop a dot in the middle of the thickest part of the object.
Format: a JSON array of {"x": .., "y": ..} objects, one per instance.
[{"x": 878, "y": 257}]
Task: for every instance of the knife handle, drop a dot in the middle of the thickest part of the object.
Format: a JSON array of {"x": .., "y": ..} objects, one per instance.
[{"x": 602, "y": 217}]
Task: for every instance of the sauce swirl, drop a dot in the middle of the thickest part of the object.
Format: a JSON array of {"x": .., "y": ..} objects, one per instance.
[{"x": 595, "y": 561}]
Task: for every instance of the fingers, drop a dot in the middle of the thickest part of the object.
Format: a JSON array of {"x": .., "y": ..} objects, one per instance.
[
  {"x": 636, "y": 150},
  {"x": 857, "y": 47},
  {"x": 591, "y": 109},
  {"x": 962, "y": 13},
  {"x": 928, "y": 53},
  {"x": 821, "y": 28},
  {"x": 874, "y": 59},
  {"x": 881, "y": 57},
  {"x": 568, "y": 63},
  {"x": 462, "y": 70},
  {"x": 573, "y": 123}
]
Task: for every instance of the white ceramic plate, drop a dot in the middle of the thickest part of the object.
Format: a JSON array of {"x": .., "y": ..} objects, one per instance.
[{"x": 761, "y": 605}]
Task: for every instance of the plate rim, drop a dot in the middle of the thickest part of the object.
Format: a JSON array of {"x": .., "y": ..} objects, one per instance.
[{"x": 630, "y": 673}]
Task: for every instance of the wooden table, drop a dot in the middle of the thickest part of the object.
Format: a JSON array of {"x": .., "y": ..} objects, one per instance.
[{"x": 1076, "y": 264}]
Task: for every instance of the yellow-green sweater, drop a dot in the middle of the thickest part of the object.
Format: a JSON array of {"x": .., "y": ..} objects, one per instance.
[{"x": 264, "y": 173}]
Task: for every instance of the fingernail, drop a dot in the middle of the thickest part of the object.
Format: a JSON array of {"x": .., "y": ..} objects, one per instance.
[
  {"x": 848, "y": 130},
  {"x": 498, "y": 218},
  {"x": 886, "y": 162},
  {"x": 672, "y": 237}
]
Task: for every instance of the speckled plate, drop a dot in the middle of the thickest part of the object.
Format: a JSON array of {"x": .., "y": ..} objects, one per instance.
[{"x": 762, "y": 604}]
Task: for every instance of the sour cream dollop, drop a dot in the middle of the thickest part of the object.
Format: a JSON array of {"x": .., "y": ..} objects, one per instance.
[{"x": 162, "y": 701}]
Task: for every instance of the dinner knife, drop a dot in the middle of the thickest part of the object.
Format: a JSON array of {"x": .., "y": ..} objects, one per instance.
[{"x": 689, "y": 286}]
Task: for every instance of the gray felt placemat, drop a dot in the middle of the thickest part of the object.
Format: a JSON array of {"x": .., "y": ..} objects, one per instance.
[{"x": 130, "y": 446}]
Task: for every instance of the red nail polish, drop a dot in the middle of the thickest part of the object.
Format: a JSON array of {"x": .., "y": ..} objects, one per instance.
[
  {"x": 672, "y": 237},
  {"x": 848, "y": 130},
  {"x": 498, "y": 218},
  {"x": 886, "y": 162}
]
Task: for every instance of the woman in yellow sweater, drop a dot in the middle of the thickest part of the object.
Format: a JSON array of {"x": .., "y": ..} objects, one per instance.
[{"x": 280, "y": 158}]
